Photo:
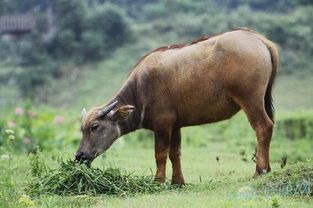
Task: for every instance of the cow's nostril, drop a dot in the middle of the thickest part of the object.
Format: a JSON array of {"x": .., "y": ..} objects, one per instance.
[
  {"x": 80, "y": 156},
  {"x": 84, "y": 157}
]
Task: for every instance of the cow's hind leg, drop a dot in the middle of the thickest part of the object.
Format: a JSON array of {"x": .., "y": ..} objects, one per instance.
[
  {"x": 177, "y": 175},
  {"x": 263, "y": 126}
]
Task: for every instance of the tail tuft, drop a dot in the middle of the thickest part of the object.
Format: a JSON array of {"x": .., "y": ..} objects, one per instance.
[
  {"x": 269, "y": 107},
  {"x": 268, "y": 100}
]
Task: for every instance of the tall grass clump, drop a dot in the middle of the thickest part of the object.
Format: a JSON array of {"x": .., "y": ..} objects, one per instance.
[
  {"x": 72, "y": 178},
  {"x": 296, "y": 179}
]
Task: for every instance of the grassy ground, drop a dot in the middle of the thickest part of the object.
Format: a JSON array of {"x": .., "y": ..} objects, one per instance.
[{"x": 210, "y": 183}]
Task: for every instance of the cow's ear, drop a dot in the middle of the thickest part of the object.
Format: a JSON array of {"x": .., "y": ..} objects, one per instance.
[{"x": 122, "y": 112}]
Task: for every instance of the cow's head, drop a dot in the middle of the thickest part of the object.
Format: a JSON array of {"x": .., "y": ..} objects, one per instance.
[{"x": 100, "y": 129}]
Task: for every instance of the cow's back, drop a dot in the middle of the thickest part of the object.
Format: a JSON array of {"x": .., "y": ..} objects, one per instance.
[{"x": 194, "y": 81}]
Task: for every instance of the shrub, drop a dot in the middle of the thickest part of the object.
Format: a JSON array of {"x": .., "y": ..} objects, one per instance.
[
  {"x": 296, "y": 125},
  {"x": 88, "y": 33},
  {"x": 43, "y": 127}
]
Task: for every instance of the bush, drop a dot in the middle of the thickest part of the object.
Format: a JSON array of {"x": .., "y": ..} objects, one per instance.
[
  {"x": 88, "y": 33},
  {"x": 296, "y": 125},
  {"x": 28, "y": 129},
  {"x": 290, "y": 30}
]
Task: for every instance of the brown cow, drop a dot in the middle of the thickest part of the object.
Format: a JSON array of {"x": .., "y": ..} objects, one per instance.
[{"x": 206, "y": 81}]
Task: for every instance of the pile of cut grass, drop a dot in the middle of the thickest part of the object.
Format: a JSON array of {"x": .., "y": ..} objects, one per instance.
[{"x": 72, "y": 178}]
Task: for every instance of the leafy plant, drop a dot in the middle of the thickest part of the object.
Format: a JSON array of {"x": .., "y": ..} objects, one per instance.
[{"x": 38, "y": 166}]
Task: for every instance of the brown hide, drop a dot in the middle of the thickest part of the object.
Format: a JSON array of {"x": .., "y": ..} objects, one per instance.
[{"x": 196, "y": 83}]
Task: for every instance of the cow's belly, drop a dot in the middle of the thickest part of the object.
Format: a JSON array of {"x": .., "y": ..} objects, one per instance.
[{"x": 205, "y": 108}]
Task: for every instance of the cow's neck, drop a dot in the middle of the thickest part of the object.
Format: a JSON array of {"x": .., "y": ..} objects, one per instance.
[{"x": 128, "y": 96}]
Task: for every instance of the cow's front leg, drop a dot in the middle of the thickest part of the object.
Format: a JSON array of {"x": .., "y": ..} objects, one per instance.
[
  {"x": 162, "y": 144},
  {"x": 163, "y": 125},
  {"x": 174, "y": 154}
]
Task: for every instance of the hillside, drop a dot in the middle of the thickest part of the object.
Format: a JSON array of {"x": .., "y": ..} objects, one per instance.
[
  {"x": 88, "y": 70},
  {"x": 96, "y": 84}
]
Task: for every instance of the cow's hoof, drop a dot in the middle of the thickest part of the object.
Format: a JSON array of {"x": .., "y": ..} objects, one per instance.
[
  {"x": 178, "y": 182},
  {"x": 260, "y": 171},
  {"x": 158, "y": 179}
]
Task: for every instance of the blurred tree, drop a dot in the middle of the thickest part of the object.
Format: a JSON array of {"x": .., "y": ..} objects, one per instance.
[
  {"x": 133, "y": 7},
  {"x": 85, "y": 31},
  {"x": 105, "y": 31},
  {"x": 262, "y": 5},
  {"x": 16, "y": 6},
  {"x": 88, "y": 32}
]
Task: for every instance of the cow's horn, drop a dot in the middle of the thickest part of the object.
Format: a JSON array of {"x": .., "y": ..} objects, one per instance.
[
  {"x": 84, "y": 112},
  {"x": 107, "y": 109}
]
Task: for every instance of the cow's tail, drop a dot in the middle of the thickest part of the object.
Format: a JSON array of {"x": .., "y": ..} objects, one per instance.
[
  {"x": 268, "y": 100},
  {"x": 272, "y": 48}
]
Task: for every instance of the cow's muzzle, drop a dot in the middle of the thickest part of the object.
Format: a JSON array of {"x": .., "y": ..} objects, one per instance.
[{"x": 82, "y": 157}]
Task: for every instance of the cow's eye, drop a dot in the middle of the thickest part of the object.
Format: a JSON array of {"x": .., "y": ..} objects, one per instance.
[{"x": 94, "y": 127}]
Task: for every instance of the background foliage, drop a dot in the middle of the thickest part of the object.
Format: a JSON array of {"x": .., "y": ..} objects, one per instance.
[{"x": 94, "y": 29}]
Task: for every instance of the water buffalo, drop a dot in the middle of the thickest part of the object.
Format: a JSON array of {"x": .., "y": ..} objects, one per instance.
[{"x": 208, "y": 80}]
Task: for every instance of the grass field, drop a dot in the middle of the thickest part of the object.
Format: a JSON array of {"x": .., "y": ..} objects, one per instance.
[{"x": 210, "y": 183}]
